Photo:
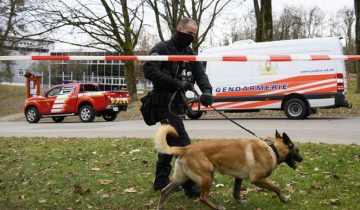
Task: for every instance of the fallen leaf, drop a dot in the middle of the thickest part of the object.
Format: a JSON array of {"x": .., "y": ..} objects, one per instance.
[
  {"x": 78, "y": 190},
  {"x": 219, "y": 185},
  {"x": 334, "y": 201},
  {"x": 134, "y": 151},
  {"x": 130, "y": 190},
  {"x": 105, "y": 196},
  {"x": 105, "y": 181},
  {"x": 289, "y": 188},
  {"x": 94, "y": 152},
  {"x": 336, "y": 177}
]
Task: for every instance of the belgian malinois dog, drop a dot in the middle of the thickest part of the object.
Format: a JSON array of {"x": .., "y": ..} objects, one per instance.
[{"x": 242, "y": 159}]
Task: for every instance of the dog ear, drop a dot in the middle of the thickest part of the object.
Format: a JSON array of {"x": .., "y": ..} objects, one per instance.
[
  {"x": 277, "y": 134},
  {"x": 287, "y": 140}
]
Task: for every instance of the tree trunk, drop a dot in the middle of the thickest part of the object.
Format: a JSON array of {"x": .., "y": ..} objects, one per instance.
[
  {"x": 259, "y": 22},
  {"x": 264, "y": 22},
  {"x": 268, "y": 22},
  {"x": 130, "y": 77},
  {"x": 357, "y": 43}
]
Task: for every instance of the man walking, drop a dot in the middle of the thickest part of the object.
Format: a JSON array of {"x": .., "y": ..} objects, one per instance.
[{"x": 167, "y": 78}]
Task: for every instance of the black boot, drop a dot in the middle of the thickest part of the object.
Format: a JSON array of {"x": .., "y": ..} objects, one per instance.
[
  {"x": 160, "y": 183},
  {"x": 191, "y": 189}
]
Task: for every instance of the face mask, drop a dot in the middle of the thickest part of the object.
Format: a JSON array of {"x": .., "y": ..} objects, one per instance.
[{"x": 182, "y": 40}]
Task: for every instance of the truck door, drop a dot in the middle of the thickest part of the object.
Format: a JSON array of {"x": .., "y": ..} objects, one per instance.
[
  {"x": 50, "y": 97},
  {"x": 68, "y": 98}
]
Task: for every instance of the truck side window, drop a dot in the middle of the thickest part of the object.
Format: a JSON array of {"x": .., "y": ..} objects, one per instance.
[
  {"x": 67, "y": 89},
  {"x": 54, "y": 92},
  {"x": 91, "y": 88}
]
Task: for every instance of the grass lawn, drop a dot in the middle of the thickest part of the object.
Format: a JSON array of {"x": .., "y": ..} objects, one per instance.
[
  {"x": 50, "y": 173},
  {"x": 12, "y": 99}
]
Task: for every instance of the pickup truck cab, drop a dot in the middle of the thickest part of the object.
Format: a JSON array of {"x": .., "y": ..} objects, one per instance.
[{"x": 83, "y": 99}]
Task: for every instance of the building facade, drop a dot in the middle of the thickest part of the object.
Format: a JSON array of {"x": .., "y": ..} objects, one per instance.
[{"x": 25, "y": 47}]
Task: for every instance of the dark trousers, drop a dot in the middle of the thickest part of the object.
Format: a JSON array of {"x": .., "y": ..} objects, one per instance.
[{"x": 163, "y": 164}]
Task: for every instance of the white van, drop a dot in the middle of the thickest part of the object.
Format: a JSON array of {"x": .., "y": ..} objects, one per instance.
[{"x": 297, "y": 87}]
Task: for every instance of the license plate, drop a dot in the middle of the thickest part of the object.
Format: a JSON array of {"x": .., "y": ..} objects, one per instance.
[{"x": 115, "y": 108}]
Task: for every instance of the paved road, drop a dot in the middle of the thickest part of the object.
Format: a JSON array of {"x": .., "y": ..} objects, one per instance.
[{"x": 330, "y": 130}]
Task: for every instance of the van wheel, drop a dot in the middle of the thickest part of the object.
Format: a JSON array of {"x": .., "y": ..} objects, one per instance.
[
  {"x": 58, "y": 119},
  {"x": 110, "y": 116},
  {"x": 87, "y": 113},
  {"x": 32, "y": 115},
  {"x": 295, "y": 109},
  {"x": 195, "y": 115}
]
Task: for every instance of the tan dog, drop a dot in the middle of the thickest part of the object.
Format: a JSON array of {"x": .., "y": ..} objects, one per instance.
[{"x": 242, "y": 159}]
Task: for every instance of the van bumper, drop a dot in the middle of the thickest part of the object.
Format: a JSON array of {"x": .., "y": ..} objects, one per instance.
[{"x": 340, "y": 101}]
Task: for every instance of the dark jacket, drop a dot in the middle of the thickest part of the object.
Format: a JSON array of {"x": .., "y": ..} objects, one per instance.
[{"x": 164, "y": 75}]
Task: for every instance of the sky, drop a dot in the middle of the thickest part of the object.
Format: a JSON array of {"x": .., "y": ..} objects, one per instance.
[{"x": 330, "y": 6}]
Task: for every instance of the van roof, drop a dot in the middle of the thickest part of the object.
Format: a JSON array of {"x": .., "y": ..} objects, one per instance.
[{"x": 247, "y": 44}]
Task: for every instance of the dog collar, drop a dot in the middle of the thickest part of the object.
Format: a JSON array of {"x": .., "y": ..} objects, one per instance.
[{"x": 271, "y": 144}]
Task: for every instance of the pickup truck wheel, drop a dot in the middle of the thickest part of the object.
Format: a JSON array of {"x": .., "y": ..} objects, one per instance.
[
  {"x": 87, "y": 113},
  {"x": 32, "y": 115},
  {"x": 295, "y": 109},
  {"x": 58, "y": 119},
  {"x": 110, "y": 116}
]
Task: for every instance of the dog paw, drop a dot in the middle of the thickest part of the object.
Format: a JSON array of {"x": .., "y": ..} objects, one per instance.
[{"x": 282, "y": 198}]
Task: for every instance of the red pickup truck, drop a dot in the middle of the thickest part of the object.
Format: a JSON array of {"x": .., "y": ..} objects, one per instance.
[{"x": 83, "y": 99}]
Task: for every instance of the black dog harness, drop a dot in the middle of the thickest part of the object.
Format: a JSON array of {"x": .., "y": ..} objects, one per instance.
[{"x": 271, "y": 144}]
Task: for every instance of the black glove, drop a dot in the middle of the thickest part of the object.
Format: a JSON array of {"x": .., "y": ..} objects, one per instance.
[
  {"x": 184, "y": 86},
  {"x": 206, "y": 99}
]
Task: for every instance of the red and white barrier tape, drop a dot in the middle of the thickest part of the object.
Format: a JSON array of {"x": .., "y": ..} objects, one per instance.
[{"x": 238, "y": 58}]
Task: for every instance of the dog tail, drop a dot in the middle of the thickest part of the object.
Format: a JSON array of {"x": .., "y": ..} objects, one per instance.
[{"x": 161, "y": 144}]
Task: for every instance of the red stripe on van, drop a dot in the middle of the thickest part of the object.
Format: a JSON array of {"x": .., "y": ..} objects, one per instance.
[
  {"x": 280, "y": 58},
  {"x": 256, "y": 104},
  {"x": 292, "y": 82},
  {"x": 320, "y": 57}
]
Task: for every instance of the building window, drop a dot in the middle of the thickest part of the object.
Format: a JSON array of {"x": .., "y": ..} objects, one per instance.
[{"x": 21, "y": 72}]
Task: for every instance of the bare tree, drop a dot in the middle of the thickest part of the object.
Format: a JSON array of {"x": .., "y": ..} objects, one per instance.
[
  {"x": 314, "y": 21},
  {"x": 10, "y": 25},
  {"x": 9, "y": 21},
  {"x": 289, "y": 23},
  {"x": 347, "y": 17},
  {"x": 357, "y": 42},
  {"x": 264, "y": 22},
  {"x": 204, "y": 12},
  {"x": 112, "y": 25},
  {"x": 241, "y": 28}
]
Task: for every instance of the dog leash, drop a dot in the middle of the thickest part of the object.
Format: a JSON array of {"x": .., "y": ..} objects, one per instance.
[
  {"x": 237, "y": 123},
  {"x": 270, "y": 143}
]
